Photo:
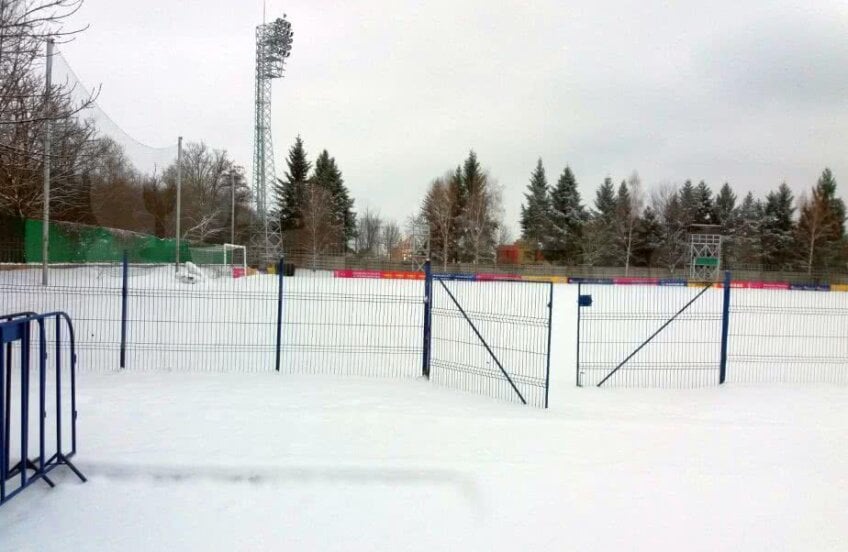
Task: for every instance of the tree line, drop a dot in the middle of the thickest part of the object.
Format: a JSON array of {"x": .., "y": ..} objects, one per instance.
[{"x": 626, "y": 227}]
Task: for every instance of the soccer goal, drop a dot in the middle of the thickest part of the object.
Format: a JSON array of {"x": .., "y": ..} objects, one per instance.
[{"x": 222, "y": 260}]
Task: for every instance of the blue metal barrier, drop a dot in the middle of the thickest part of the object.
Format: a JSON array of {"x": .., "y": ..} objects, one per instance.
[{"x": 17, "y": 330}]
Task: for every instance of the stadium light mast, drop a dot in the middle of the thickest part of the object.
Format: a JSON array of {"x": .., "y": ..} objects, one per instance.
[{"x": 273, "y": 46}]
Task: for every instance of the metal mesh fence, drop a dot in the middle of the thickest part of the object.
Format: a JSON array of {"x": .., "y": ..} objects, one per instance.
[
  {"x": 199, "y": 320},
  {"x": 779, "y": 336},
  {"x": 641, "y": 336},
  {"x": 492, "y": 338}
]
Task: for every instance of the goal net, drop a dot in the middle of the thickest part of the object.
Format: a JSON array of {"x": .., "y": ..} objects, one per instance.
[{"x": 226, "y": 260}]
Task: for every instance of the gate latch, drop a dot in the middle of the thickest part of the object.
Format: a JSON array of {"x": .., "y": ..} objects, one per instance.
[{"x": 584, "y": 301}]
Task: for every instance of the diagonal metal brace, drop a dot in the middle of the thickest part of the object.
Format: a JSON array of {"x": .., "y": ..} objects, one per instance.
[
  {"x": 483, "y": 341},
  {"x": 655, "y": 334}
]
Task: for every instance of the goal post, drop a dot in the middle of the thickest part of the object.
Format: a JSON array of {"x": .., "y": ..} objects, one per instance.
[{"x": 220, "y": 260}]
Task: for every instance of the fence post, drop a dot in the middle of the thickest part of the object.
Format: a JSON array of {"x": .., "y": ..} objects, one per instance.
[
  {"x": 280, "y": 270},
  {"x": 124, "y": 293},
  {"x": 550, "y": 330},
  {"x": 428, "y": 318},
  {"x": 579, "y": 306},
  {"x": 725, "y": 323}
]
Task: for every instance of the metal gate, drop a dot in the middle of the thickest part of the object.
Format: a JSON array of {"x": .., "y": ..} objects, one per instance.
[
  {"x": 652, "y": 336},
  {"x": 489, "y": 337}
]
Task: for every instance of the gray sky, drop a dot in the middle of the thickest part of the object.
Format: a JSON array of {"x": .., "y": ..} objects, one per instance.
[{"x": 752, "y": 92}]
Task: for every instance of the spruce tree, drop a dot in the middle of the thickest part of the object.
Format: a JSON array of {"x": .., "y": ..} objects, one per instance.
[
  {"x": 826, "y": 187},
  {"x": 674, "y": 220},
  {"x": 777, "y": 229},
  {"x": 567, "y": 219},
  {"x": 599, "y": 247},
  {"x": 704, "y": 207},
  {"x": 689, "y": 204},
  {"x": 725, "y": 208},
  {"x": 328, "y": 176},
  {"x": 727, "y": 216},
  {"x": 536, "y": 213},
  {"x": 747, "y": 247},
  {"x": 649, "y": 238},
  {"x": 605, "y": 199},
  {"x": 289, "y": 192}
]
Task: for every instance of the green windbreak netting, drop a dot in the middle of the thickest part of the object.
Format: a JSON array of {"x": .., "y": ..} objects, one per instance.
[{"x": 79, "y": 243}]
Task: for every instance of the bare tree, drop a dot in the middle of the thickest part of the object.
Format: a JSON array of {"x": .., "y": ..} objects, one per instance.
[
  {"x": 206, "y": 193},
  {"x": 391, "y": 237},
  {"x": 368, "y": 233},
  {"x": 629, "y": 205},
  {"x": 25, "y": 25}
]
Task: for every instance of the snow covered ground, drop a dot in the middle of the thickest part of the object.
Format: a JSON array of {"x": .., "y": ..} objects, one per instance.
[
  {"x": 306, "y": 462},
  {"x": 299, "y": 461}
]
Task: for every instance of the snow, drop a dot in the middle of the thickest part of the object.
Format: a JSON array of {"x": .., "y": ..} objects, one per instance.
[
  {"x": 303, "y": 462},
  {"x": 182, "y": 453}
]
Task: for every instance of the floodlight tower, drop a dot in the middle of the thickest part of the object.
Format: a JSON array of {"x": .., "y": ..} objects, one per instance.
[{"x": 273, "y": 46}]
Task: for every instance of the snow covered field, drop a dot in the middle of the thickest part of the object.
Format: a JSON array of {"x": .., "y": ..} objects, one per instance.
[
  {"x": 246, "y": 460},
  {"x": 303, "y": 462}
]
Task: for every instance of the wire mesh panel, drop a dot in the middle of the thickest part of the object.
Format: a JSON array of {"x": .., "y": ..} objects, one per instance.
[
  {"x": 492, "y": 338},
  {"x": 649, "y": 336},
  {"x": 195, "y": 320},
  {"x": 788, "y": 336},
  {"x": 89, "y": 293},
  {"x": 363, "y": 327}
]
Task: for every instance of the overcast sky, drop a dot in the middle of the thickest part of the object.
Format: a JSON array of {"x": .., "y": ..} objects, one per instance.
[{"x": 751, "y": 92}]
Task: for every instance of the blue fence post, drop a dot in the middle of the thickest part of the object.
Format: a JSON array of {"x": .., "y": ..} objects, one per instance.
[
  {"x": 550, "y": 330},
  {"x": 725, "y": 323},
  {"x": 124, "y": 294},
  {"x": 280, "y": 270},
  {"x": 428, "y": 318},
  {"x": 4, "y": 446},
  {"x": 579, "y": 306}
]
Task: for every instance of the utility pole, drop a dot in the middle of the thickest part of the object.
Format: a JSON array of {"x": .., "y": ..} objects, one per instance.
[
  {"x": 179, "y": 196},
  {"x": 45, "y": 223},
  {"x": 232, "y": 206}
]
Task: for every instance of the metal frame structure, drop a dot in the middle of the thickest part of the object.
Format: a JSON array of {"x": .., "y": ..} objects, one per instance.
[
  {"x": 273, "y": 46},
  {"x": 704, "y": 253},
  {"x": 420, "y": 242}
]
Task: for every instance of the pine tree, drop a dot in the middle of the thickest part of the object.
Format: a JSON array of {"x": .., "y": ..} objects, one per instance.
[
  {"x": 328, "y": 176},
  {"x": 605, "y": 199},
  {"x": 478, "y": 237},
  {"x": 689, "y": 204},
  {"x": 599, "y": 247},
  {"x": 289, "y": 192},
  {"x": 674, "y": 223},
  {"x": 747, "y": 246},
  {"x": 725, "y": 208},
  {"x": 727, "y": 216},
  {"x": 704, "y": 207},
  {"x": 648, "y": 238},
  {"x": 567, "y": 219},
  {"x": 536, "y": 214},
  {"x": 777, "y": 229}
]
